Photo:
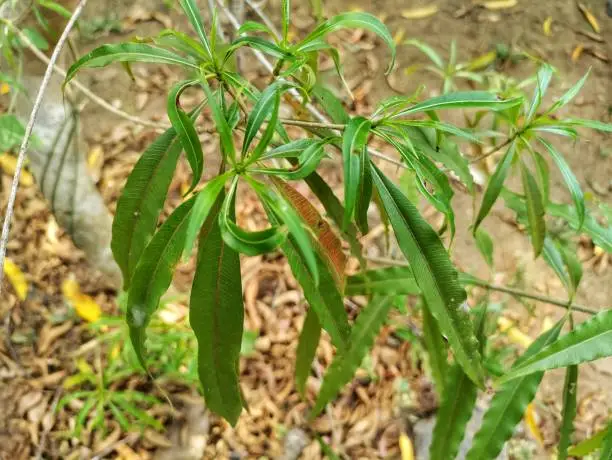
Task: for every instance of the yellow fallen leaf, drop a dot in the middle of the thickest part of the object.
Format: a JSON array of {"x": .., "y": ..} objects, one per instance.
[
  {"x": 4, "y": 89},
  {"x": 590, "y": 17},
  {"x": 9, "y": 163},
  {"x": 483, "y": 61},
  {"x": 515, "y": 335},
  {"x": 547, "y": 26},
  {"x": 398, "y": 37},
  {"x": 406, "y": 448},
  {"x": 532, "y": 424},
  {"x": 577, "y": 53},
  {"x": 16, "y": 278},
  {"x": 420, "y": 13},
  {"x": 85, "y": 306},
  {"x": 500, "y": 4},
  {"x": 95, "y": 156}
]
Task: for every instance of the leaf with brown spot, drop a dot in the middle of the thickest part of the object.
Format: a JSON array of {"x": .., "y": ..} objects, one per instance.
[{"x": 328, "y": 243}]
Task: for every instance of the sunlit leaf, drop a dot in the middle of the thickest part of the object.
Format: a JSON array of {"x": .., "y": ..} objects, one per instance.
[
  {"x": 571, "y": 93},
  {"x": 428, "y": 51},
  {"x": 85, "y": 306},
  {"x": 190, "y": 7},
  {"x": 16, "y": 278},
  {"x": 591, "y": 444}
]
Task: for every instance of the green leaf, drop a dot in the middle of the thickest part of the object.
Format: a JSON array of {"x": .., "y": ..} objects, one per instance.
[
  {"x": 181, "y": 42},
  {"x": 495, "y": 184},
  {"x": 606, "y": 449},
  {"x": 591, "y": 444},
  {"x": 570, "y": 94},
  {"x": 457, "y": 400},
  {"x": 346, "y": 363},
  {"x": 126, "y": 52},
  {"x": 535, "y": 210},
  {"x": 142, "y": 200},
  {"x": 552, "y": 256},
  {"x": 289, "y": 217},
  {"x": 306, "y": 349},
  {"x": 187, "y": 134},
  {"x": 428, "y": 51},
  {"x": 461, "y": 100},
  {"x": 36, "y": 38},
  {"x": 258, "y": 43},
  {"x": 249, "y": 243},
  {"x": 601, "y": 236},
  {"x": 225, "y": 133},
  {"x": 574, "y": 268},
  {"x": 55, "y": 7},
  {"x": 544, "y": 76},
  {"x": 285, "y": 17},
  {"x": 216, "y": 315},
  {"x": 390, "y": 281},
  {"x": 568, "y": 414},
  {"x": 484, "y": 243},
  {"x": 570, "y": 180},
  {"x": 332, "y": 104},
  {"x": 590, "y": 340},
  {"x": 437, "y": 353},
  {"x": 205, "y": 199},
  {"x": 353, "y": 143},
  {"x": 325, "y": 300},
  {"x": 354, "y": 20},
  {"x": 252, "y": 26},
  {"x": 11, "y": 132},
  {"x": 509, "y": 403},
  {"x": 364, "y": 192},
  {"x": 153, "y": 274},
  {"x": 591, "y": 124},
  {"x": 307, "y": 163},
  {"x": 190, "y": 7},
  {"x": 434, "y": 274}
]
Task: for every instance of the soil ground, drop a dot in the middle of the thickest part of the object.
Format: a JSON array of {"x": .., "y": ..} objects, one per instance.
[{"x": 366, "y": 420}]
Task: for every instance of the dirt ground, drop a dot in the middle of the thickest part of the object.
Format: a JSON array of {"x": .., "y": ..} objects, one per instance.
[{"x": 367, "y": 418}]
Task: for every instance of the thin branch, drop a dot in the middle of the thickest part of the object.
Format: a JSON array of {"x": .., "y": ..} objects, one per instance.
[
  {"x": 312, "y": 124},
  {"x": 267, "y": 21},
  {"x": 494, "y": 287},
  {"x": 492, "y": 151},
  {"x": 28, "y": 133},
  {"x": 83, "y": 89}
]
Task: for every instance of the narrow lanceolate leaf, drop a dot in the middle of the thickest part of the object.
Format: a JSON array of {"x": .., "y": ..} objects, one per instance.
[
  {"x": 485, "y": 245},
  {"x": 591, "y": 444},
  {"x": 437, "y": 353},
  {"x": 591, "y": 124},
  {"x": 573, "y": 266},
  {"x": 544, "y": 76},
  {"x": 328, "y": 244},
  {"x": 331, "y": 103},
  {"x": 153, "y": 274},
  {"x": 353, "y": 142},
  {"x": 324, "y": 299},
  {"x": 184, "y": 127},
  {"x": 127, "y": 52},
  {"x": 216, "y": 316},
  {"x": 190, "y": 7},
  {"x": 606, "y": 448},
  {"x": 552, "y": 256},
  {"x": 364, "y": 192},
  {"x": 390, "y": 281},
  {"x": 568, "y": 413},
  {"x": 205, "y": 199},
  {"x": 570, "y": 180},
  {"x": 590, "y": 340},
  {"x": 334, "y": 209},
  {"x": 285, "y": 14},
  {"x": 509, "y": 403},
  {"x": 141, "y": 202},
  {"x": 460, "y": 100},
  {"x": 434, "y": 274},
  {"x": 495, "y": 184},
  {"x": 346, "y": 363},
  {"x": 601, "y": 236},
  {"x": 306, "y": 349},
  {"x": 225, "y": 133},
  {"x": 535, "y": 210},
  {"x": 571, "y": 93},
  {"x": 428, "y": 51},
  {"x": 457, "y": 402},
  {"x": 353, "y": 20}
]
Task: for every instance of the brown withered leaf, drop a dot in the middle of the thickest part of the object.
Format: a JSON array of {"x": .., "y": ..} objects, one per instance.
[{"x": 330, "y": 245}]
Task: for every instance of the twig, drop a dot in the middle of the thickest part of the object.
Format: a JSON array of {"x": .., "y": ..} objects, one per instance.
[
  {"x": 28, "y": 133},
  {"x": 494, "y": 287},
  {"x": 83, "y": 89},
  {"x": 267, "y": 21},
  {"x": 312, "y": 124},
  {"x": 492, "y": 151}
]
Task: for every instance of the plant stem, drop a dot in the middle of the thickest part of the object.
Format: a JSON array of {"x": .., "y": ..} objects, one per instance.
[
  {"x": 312, "y": 124},
  {"x": 28, "y": 133},
  {"x": 494, "y": 150},
  {"x": 494, "y": 287}
]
